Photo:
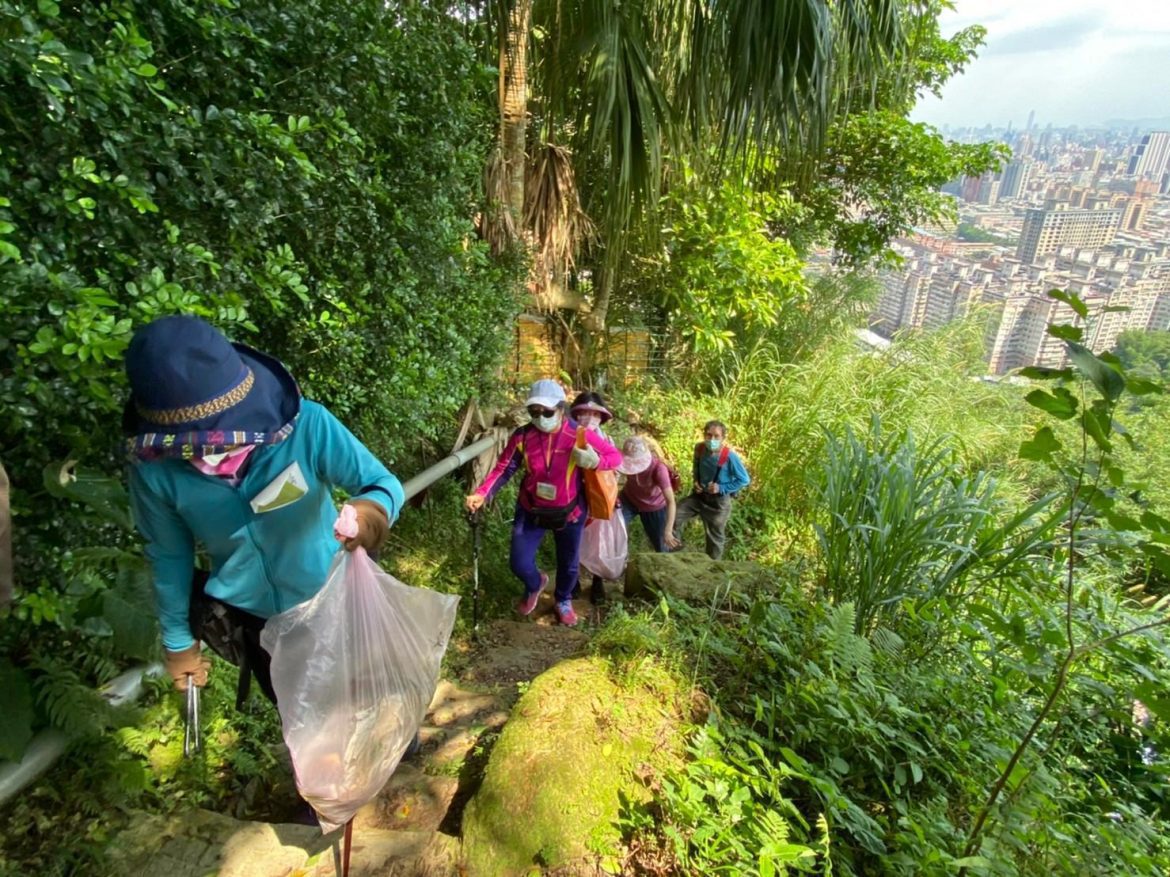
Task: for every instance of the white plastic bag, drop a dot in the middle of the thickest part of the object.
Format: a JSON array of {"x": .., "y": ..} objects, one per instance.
[
  {"x": 604, "y": 545},
  {"x": 354, "y": 669}
]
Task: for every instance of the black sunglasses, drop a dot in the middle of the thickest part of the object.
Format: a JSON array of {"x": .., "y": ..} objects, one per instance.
[{"x": 537, "y": 411}]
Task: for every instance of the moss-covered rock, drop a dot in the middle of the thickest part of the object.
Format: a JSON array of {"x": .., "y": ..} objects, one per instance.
[
  {"x": 575, "y": 744},
  {"x": 690, "y": 575}
]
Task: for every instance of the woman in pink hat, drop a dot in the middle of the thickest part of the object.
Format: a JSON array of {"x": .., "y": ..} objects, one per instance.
[{"x": 648, "y": 494}]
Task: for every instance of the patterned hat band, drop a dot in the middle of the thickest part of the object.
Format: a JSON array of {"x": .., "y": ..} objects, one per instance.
[{"x": 193, "y": 413}]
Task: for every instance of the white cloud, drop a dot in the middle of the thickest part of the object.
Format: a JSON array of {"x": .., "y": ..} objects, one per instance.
[{"x": 1072, "y": 61}]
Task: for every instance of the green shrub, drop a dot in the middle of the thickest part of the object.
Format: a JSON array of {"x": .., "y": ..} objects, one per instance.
[{"x": 302, "y": 174}]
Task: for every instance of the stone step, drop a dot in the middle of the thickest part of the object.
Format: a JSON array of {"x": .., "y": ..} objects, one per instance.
[{"x": 200, "y": 843}]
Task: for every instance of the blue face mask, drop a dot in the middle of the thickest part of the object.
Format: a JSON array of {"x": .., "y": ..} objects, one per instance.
[
  {"x": 714, "y": 444},
  {"x": 547, "y": 424}
]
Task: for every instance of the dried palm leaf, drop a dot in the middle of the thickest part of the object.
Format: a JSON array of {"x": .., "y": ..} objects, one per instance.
[
  {"x": 553, "y": 219},
  {"x": 498, "y": 226}
]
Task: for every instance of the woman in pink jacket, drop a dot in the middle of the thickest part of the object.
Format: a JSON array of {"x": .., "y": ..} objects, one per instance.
[{"x": 552, "y": 493}]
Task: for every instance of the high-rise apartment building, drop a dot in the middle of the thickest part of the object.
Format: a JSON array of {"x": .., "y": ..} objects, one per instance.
[
  {"x": 1015, "y": 179},
  {"x": 1152, "y": 157},
  {"x": 1047, "y": 230}
]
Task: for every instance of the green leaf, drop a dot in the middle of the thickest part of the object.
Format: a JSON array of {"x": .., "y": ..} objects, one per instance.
[
  {"x": 1143, "y": 386},
  {"x": 1105, "y": 378},
  {"x": 135, "y": 632},
  {"x": 1098, "y": 424},
  {"x": 1066, "y": 332},
  {"x": 1060, "y": 403},
  {"x": 16, "y": 705},
  {"x": 1041, "y": 446},
  {"x": 146, "y": 71},
  {"x": 1071, "y": 299}
]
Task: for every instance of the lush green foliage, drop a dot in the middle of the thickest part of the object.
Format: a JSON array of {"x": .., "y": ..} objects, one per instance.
[
  {"x": 984, "y": 705},
  {"x": 880, "y": 178},
  {"x": 977, "y": 235},
  {"x": 303, "y": 175},
  {"x": 1144, "y": 354},
  {"x": 69, "y": 817}
]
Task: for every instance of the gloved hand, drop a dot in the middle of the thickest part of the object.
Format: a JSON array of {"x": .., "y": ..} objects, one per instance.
[
  {"x": 373, "y": 526},
  {"x": 187, "y": 664},
  {"x": 586, "y": 457}
]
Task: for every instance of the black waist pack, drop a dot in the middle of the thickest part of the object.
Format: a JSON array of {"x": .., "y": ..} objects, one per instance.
[{"x": 552, "y": 518}]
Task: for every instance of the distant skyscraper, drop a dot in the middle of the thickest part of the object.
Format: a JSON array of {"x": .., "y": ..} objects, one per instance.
[
  {"x": 1031, "y": 120},
  {"x": 988, "y": 190},
  {"x": 1152, "y": 156},
  {"x": 1046, "y": 231},
  {"x": 1015, "y": 179}
]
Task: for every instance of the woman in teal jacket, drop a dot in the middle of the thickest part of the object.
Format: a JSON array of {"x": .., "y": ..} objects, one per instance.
[{"x": 227, "y": 456}]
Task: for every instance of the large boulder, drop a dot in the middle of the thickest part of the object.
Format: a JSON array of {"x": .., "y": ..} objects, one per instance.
[
  {"x": 690, "y": 575},
  {"x": 577, "y": 742}
]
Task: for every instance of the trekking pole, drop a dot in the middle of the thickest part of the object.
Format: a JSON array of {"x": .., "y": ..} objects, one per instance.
[
  {"x": 191, "y": 738},
  {"x": 474, "y": 520}
]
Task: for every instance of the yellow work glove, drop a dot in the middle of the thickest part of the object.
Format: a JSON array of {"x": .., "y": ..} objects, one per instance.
[
  {"x": 187, "y": 664},
  {"x": 373, "y": 526}
]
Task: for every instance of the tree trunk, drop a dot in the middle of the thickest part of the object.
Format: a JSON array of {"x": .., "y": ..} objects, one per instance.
[
  {"x": 603, "y": 290},
  {"x": 514, "y": 103}
]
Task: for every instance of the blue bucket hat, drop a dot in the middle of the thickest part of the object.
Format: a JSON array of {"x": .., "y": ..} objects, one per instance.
[{"x": 195, "y": 393}]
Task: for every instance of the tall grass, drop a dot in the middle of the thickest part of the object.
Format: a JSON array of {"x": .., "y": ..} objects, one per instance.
[
  {"x": 902, "y": 525},
  {"x": 781, "y": 413}
]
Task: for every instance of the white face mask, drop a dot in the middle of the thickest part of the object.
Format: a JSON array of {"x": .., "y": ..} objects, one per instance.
[
  {"x": 547, "y": 424},
  {"x": 590, "y": 421}
]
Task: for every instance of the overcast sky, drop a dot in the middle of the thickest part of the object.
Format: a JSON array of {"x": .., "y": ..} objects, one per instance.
[{"x": 1073, "y": 61}]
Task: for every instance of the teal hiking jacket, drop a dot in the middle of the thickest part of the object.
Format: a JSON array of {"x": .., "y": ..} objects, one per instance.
[{"x": 270, "y": 539}]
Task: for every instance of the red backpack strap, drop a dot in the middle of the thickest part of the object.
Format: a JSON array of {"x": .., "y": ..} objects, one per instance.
[{"x": 724, "y": 455}]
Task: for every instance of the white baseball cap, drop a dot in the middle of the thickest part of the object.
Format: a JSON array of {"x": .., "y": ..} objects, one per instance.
[{"x": 547, "y": 393}]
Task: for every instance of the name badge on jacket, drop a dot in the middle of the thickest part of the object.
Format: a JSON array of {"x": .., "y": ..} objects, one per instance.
[{"x": 285, "y": 489}]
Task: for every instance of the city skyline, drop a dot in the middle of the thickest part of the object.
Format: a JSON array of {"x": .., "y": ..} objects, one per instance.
[{"x": 1085, "y": 63}]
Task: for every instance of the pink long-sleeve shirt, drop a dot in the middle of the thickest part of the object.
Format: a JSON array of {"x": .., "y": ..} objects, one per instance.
[{"x": 547, "y": 458}]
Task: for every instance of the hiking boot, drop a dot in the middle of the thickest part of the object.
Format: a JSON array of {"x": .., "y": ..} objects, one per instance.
[
  {"x": 597, "y": 592},
  {"x": 565, "y": 613}
]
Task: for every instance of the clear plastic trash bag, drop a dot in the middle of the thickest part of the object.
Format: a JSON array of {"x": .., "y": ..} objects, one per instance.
[
  {"x": 604, "y": 545},
  {"x": 354, "y": 669}
]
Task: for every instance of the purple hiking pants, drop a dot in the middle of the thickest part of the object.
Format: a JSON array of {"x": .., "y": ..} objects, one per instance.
[{"x": 526, "y": 536}]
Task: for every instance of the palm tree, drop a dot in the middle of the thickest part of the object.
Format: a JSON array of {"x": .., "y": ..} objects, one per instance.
[{"x": 626, "y": 83}]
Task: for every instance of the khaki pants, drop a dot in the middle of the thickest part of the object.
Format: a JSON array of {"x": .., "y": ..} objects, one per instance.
[{"x": 715, "y": 510}]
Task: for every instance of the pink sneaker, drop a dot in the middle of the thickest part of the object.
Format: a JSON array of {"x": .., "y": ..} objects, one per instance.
[
  {"x": 566, "y": 614},
  {"x": 528, "y": 601}
]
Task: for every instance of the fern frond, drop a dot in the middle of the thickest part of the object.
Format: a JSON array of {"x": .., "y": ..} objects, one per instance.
[
  {"x": 887, "y": 642},
  {"x": 71, "y": 704}
]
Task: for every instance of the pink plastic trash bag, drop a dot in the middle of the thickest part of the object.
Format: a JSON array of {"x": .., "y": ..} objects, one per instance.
[
  {"x": 604, "y": 545},
  {"x": 354, "y": 669}
]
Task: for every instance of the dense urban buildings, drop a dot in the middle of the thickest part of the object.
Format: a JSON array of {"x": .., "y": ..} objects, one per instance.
[{"x": 1085, "y": 211}]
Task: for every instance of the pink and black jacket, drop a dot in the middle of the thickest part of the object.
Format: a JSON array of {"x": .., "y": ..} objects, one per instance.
[{"x": 547, "y": 458}]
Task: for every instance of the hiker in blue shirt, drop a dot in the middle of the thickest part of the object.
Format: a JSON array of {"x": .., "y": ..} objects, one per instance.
[
  {"x": 718, "y": 474},
  {"x": 226, "y": 455}
]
